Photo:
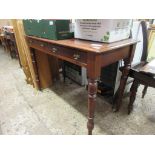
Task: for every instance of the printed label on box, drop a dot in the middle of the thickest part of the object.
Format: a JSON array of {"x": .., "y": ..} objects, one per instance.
[{"x": 51, "y": 23}]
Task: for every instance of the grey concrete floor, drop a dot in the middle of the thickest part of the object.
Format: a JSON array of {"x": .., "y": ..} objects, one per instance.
[{"x": 62, "y": 109}]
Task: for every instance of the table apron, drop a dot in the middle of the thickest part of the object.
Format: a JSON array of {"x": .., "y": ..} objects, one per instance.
[
  {"x": 82, "y": 64},
  {"x": 114, "y": 56}
]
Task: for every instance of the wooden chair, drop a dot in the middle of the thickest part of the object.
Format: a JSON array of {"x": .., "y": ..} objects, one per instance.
[
  {"x": 142, "y": 73},
  {"x": 146, "y": 77}
]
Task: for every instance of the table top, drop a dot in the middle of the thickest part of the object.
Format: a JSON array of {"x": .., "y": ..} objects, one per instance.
[{"x": 89, "y": 46}]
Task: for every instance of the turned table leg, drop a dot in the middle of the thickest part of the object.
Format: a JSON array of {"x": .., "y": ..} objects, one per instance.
[{"x": 92, "y": 91}]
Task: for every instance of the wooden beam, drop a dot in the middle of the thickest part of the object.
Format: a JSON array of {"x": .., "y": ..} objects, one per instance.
[{"x": 24, "y": 52}]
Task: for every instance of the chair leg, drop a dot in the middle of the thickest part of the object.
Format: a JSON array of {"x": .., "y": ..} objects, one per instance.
[
  {"x": 133, "y": 91},
  {"x": 144, "y": 91}
]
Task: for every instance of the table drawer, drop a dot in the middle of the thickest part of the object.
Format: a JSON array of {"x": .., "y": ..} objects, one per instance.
[
  {"x": 38, "y": 44},
  {"x": 70, "y": 54},
  {"x": 73, "y": 54}
]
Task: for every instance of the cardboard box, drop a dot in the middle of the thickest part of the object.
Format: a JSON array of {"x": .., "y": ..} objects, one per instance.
[
  {"x": 103, "y": 30},
  {"x": 76, "y": 73}
]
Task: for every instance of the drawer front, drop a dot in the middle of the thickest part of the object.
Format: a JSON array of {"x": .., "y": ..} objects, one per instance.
[
  {"x": 73, "y": 54},
  {"x": 38, "y": 44},
  {"x": 68, "y": 54}
]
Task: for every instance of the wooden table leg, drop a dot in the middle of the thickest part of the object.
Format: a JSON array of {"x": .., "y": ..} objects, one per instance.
[
  {"x": 92, "y": 91},
  {"x": 93, "y": 72}
]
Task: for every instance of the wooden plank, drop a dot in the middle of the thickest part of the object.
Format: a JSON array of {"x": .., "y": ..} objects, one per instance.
[
  {"x": 44, "y": 70},
  {"x": 54, "y": 66},
  {"x": 24, "y": 52}
]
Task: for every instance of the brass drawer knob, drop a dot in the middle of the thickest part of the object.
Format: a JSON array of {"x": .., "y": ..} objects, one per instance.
[
  {"x": 54, "y": 50},
  {"x": 42, "y": 45},
  {"x": 76, "y": 56}
]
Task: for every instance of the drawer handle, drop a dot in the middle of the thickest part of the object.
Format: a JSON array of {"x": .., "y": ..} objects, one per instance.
[
  {"x": 42, "y": 45},
  {"x": 76, "y": 56},
  {"x": 30, "y": 41},
  {"x": 54, "y": 50}
]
